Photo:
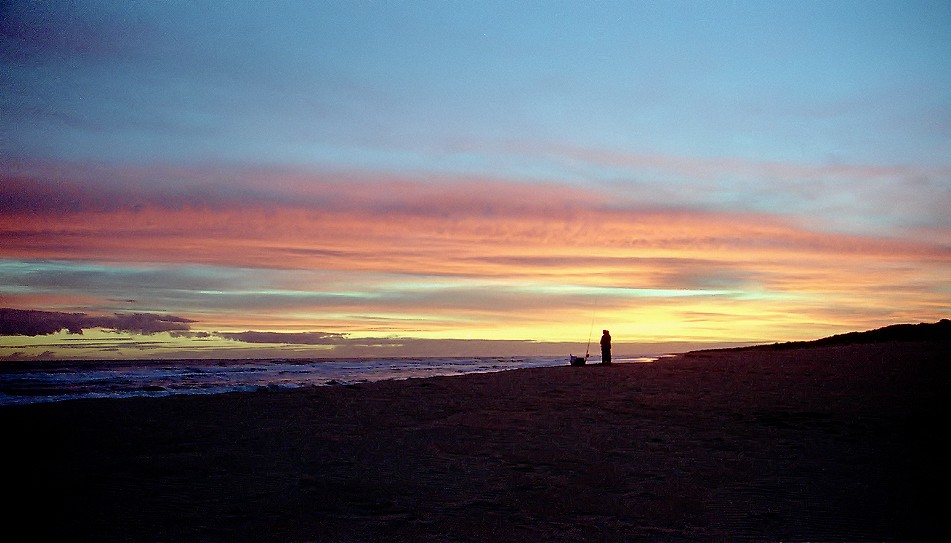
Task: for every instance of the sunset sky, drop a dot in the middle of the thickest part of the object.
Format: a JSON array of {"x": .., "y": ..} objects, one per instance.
[{"x": 367, "y": 178}]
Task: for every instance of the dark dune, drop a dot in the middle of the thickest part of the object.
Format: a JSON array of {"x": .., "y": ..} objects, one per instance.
[
  {"x": 934, "y": 332},
  {"x": 818, "y": 443}
]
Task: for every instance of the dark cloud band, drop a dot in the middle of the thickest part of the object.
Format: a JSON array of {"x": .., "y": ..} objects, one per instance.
[{"x": 24, "y": 322}]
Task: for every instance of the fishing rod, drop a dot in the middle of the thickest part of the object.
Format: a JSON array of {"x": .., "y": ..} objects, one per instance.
[{"x": 588, "y": 348}]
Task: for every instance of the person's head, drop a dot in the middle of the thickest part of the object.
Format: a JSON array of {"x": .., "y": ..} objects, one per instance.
[{"x": 606, "y": 332}]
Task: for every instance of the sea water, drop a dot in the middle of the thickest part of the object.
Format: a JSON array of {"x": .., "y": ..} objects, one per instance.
[{"x": 46, "y": 381}]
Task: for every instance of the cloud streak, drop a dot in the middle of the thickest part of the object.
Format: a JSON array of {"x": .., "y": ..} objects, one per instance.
[
  {"x": 343, "y": 218},
  {"x": 293, "y": 338}
]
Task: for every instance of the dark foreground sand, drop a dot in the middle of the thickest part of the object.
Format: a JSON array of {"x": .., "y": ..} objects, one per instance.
[{"x": 822, "y": 444}]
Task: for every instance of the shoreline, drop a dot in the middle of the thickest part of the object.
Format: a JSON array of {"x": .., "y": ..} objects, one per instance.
[
  {"x": 40, "y": 382},
  {"x": 820, "y": 443}
]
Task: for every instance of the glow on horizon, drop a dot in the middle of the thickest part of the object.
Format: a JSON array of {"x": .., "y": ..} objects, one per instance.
[{"x": 342, "y": 178}]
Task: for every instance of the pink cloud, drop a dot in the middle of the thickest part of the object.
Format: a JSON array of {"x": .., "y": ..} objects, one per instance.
[
  {"x": 357, "y": 228},
  {"x": 392, "y": 224}
]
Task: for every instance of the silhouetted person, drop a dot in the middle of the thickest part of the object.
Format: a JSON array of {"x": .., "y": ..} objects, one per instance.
[{"x": 606, "y": 347}]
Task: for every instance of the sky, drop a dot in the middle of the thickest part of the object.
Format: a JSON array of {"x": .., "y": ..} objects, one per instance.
[{"x": 409, "y": 178}]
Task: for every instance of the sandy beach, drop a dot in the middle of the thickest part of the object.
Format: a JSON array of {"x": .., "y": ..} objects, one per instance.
[{"x": 838, "y": 443}]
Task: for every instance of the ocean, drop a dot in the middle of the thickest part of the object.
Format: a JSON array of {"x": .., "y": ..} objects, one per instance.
[{"x": 48, "y": 381}]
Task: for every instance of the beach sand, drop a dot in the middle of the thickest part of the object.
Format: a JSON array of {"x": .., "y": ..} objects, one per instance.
[{"x": 821, "y": 444}]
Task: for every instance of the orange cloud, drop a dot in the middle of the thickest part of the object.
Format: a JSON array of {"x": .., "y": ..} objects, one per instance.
[
  {"x": 498, "y": 260},
  {"x": 530, "y": 242}
]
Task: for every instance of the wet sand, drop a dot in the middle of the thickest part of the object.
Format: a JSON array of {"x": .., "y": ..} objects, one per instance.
[{"x": 820, "y": 444}]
